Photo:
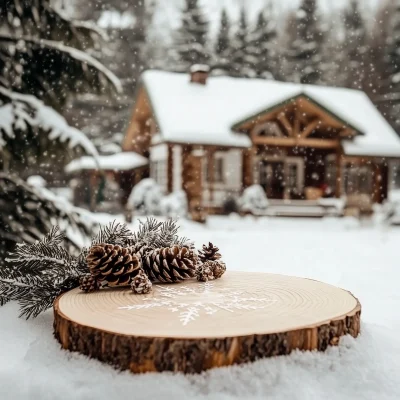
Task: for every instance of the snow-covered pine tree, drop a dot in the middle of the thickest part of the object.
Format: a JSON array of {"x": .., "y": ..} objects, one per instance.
[
  {"x": 222, "y": 44},
  {"x": 262, "y": 45},
  {"x": 44, "y": 58},
  {"x": 332, "y": 59},
  {"x": 355, "y": 46},
  {"x": 243, "y": 63},
  {"x": 60, "y": 48},
  {"x": 221, "y": 64},
  {"x": 392, "y": 66},
  {"x": 190, "y": 45},
  {"x": 305, "y": 43}
]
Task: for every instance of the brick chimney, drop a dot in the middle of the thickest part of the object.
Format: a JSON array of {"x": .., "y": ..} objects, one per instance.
[{"x": 199, "y": 73}]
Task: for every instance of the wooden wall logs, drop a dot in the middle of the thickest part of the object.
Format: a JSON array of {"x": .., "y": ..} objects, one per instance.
[{"x": 196, "y": 326}]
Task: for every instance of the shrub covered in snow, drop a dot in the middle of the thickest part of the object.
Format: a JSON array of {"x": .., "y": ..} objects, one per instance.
[
  {"x": 253, "y": 200},
  {"x": 36, "y": 181},
  {"x": 174, "y": 205},
  {"x": 145, "y": 198}
]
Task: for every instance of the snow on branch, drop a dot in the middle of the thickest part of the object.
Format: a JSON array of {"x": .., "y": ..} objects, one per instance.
[
  {"x": 19, "y": 112},
  {"x": 88, "y": 62}
]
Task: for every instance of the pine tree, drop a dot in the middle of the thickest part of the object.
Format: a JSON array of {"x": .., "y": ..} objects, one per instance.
[
  {"x": 46, "y": 56},
  {"x": 355, "y": 45},
  {"x": 221, "y": 64},
  {"x": 392, "y": 64},
  {"x": 262, "y": 46},
  {"x": 223, "y": 41},
  {"x": 242, "y": 60},
  {"x": 44, "y": 59},
  {"x": 191, "y": 39},
  {"x": 304, "y": 54}
]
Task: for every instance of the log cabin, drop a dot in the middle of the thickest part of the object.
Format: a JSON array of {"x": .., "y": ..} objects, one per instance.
[{"x": 214, "y": 136}]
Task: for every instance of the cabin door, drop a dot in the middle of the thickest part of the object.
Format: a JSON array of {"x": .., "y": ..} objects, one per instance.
[{"x": 272, "y": 178}]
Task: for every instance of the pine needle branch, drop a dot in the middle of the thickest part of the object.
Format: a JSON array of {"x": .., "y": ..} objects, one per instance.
[
  {"x": 44, "y": 256},
  {"x": 113, "y": 233}
]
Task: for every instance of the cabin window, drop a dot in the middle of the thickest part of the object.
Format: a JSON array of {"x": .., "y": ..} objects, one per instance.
[
  {"x": 358, "y": 179},
  {"x": 158, "y": 171},
  {"x": 331, "y": 172},
  {"x": 218, "y": 170}
]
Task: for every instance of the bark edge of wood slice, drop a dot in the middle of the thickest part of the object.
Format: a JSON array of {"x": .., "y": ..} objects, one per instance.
[{"x": 239, "y": 318}]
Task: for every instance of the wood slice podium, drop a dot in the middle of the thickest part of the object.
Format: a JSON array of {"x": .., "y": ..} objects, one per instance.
[{"x": 193, "y": 326}]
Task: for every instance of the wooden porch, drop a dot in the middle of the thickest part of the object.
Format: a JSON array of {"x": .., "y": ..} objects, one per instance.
[{"x": 297, "y": 154}]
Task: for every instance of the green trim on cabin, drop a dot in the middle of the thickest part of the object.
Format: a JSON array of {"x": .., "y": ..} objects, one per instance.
[{"x": 236, "y": 126}]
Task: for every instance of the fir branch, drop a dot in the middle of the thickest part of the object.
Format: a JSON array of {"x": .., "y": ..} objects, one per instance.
[
  {"x": 35, "y": 294},
  {"x": 155, "y": 234},
  {"x": 168, "y": 234},
  {"x": 18, "y": 288},
  {"x": 44, "y": 256},
  {"x": 42, "y": 297},
  {"x": 148, "y": 232},
  {"x": 113, "y": 233}
]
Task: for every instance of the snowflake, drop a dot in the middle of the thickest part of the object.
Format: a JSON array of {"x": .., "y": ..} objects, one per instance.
[{"x": 186, "y": 302}]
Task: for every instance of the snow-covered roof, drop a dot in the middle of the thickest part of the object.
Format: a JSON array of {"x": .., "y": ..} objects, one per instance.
[
  {"x": 115, "y": 162},
  {"x": 205, "y": 114}
]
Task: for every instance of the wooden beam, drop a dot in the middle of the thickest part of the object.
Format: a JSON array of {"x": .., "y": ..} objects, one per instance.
[
  {"x": 170, "y": 169},
  {"x": 297, "y": 123},
  {"x": 210, "y": 172},
  {"x": 338, "y": 186},
  {"x": 297, "y": 142},
  {"x": 347, "y": 132},
  {"x": 309, "y": 128},
  {"x": 247, "y": 167},
  {"x": 285, "y": 122}
]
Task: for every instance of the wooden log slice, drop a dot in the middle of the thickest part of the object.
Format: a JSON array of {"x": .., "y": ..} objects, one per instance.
[{"x": 193, "y": 326}]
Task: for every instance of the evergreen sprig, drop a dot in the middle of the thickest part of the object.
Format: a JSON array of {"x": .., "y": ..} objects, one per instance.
[
  {"x": 113, "y": 233},
  {"x": 36, "y": 274},
  {"x": 46, "y": 256},
  {"x": 156, "y": 234}
]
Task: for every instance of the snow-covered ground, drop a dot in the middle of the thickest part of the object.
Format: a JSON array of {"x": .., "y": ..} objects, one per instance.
[{"x": 363, "y": 259}]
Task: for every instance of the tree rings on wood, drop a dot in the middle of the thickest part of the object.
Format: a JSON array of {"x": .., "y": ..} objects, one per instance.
[{"x": 193, "y": 326}]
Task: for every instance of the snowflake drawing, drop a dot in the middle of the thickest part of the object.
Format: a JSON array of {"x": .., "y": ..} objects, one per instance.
[{"x": 184, "y": 301}]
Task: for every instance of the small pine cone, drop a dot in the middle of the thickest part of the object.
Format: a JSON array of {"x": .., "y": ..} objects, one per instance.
[
  {"x": 209, "y": 253},
  {"x": 218, "y": 268},
  {"x": 204, "y": 273},
  {"x": 88, "y": 283},
  {"x": 141, "y": 283},
  {"x": 112, "y": 264},
  {"x": 210, "y": 270},
  {"x": 170, "y": 264}
]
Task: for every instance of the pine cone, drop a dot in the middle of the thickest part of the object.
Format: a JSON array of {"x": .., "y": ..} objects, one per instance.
[
  {"x": 210, "y": 270},
  {"x": 204, "y": 273},
  {"x": 88, "y": 283},
  {"x": 170, "y": 264},
  {"x": 141, "y": 283},
  {"x": 140, "y": 249},
  {"x": 218, "y": 268},
  {"x": 113, "y": 264},
  {"x": 209, "y": 253}
]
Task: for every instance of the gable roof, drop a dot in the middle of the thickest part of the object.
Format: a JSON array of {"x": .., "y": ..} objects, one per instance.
[{"x": 206, "y": 114}]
